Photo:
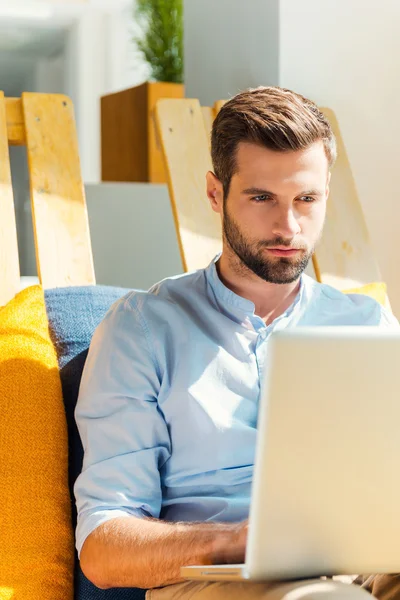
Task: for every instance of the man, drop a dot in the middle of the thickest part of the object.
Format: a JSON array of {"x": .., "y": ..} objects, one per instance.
[{"x": 169, "y": 397}]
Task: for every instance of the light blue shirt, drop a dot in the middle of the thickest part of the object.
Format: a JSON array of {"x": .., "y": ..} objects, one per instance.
[{"x": 168, "y": 402}]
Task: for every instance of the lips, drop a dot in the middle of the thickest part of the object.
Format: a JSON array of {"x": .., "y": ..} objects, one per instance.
[{"x": 283, "y": 252}]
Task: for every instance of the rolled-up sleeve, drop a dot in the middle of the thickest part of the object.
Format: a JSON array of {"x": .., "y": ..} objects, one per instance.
[{"x": 124, "y": 435}]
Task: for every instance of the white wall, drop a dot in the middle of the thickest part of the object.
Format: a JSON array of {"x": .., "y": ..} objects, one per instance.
[
  {"x": 100, "y": 58},
  {"x": 85, "y": 58},
  {"x": 125, "y": 66},
  {"x": 133, "y": 234},
  {"x": 49, "y": 74},
  {"x": 228, "y": 45}
]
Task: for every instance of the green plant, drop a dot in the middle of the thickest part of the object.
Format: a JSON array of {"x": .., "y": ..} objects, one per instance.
[{"x": 161, "y": 42}]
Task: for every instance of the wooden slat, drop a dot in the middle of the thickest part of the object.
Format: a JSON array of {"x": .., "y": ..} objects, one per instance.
[
  {"x": 208, "y": 118},
  {"x": 60, "y": 221},
  {"x": 344, "y": 258},
  {"x": 185, "y": 147},
  {"x": 157, "y": 90},
  {"x": 15, "y": 122},
  {"x": 218, "y": 105},
  {"x": 9, "y": 271}
]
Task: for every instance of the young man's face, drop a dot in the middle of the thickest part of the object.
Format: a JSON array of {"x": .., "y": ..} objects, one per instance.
[{"x": 275, "y": 210}]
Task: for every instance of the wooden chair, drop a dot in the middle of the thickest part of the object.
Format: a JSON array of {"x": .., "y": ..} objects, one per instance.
[
  {"x": 45, "y": 124},
  {"x": 344, "y": 258},
  {"x": 185, "y": 145}
]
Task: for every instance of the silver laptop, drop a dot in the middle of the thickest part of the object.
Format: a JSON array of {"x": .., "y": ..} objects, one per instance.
[{"x": 326, "y": 487}]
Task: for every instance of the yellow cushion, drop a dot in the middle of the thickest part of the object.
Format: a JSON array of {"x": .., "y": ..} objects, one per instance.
[
  {"x": 378, "y": 291},
  {"x": 36, "y": 536}
]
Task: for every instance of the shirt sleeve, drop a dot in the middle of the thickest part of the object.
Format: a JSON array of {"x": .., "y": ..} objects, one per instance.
[{"x": 124, "y": 435}]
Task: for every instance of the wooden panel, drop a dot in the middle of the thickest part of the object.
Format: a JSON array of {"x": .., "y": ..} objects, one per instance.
[
  {"x": 218, "y": 105},
  {"x": 124, "y": 142},
  {"x": 9, "y": 263},
  {"x": 156, "y": 91},
  {"x": 344, "y": 257},
  {"x": 15, "y": 122},
  {"x": 186, "y": 151},
  {"x": 60, "y": 221},
  {"x": 208, "y": 117}
]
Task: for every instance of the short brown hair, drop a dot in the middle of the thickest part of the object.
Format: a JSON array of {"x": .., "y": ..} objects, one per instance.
[{"x": 272, "y": 117}]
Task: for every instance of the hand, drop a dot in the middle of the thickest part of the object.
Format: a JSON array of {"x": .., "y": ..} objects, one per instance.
[{"x": 230, "y": 547}]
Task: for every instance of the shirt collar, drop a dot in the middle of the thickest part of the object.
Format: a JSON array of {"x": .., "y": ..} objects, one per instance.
[{"x": 232, "y": 303}]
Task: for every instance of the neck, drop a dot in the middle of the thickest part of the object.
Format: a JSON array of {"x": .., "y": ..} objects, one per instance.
[{"x": 270, "y": 299}]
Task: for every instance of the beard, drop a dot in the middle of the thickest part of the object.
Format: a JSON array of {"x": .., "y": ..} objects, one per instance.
[{"x": 251, "y": 254}]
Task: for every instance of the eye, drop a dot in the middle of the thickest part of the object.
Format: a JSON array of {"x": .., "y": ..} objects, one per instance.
[
  {"x": 261, "y": 198},
  {"x": 307, "y": 199}
]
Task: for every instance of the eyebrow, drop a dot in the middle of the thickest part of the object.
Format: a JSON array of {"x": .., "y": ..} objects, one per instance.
[{"x": 259, "y": 192}]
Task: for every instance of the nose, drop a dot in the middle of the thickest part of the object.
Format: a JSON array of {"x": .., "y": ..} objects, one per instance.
[{"x": 286, "y": 224}]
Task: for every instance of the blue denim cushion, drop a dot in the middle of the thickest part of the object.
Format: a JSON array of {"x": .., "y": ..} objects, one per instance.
[{"x": 74, "y": 313}]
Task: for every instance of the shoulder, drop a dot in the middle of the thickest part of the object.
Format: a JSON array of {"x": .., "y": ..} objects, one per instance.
[
  {"x": 164, "y": 300},
  {"x": 332, "y": 306}
]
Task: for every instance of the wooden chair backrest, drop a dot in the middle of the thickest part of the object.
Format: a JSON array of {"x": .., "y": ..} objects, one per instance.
[
  {"x": 208, "y": 117},
  {"x": 45, "y": 124},
  {"x": 344, "y": 257},
  {"x": 185, "y": 146}
]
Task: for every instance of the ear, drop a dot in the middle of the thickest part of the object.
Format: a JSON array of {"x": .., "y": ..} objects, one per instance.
[
  {"x": 327, "y": 185},
  {"x": 215, "y": 192}
]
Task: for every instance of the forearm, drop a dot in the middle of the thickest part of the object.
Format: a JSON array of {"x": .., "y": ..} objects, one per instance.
[{"x": 133, "y": 552}]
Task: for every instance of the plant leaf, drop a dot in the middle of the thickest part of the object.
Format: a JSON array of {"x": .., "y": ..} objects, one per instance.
[{"x": 161, "y": 42}]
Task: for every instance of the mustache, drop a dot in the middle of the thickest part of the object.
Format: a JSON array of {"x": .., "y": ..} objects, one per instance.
[{"x": 282, "y": 242}]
